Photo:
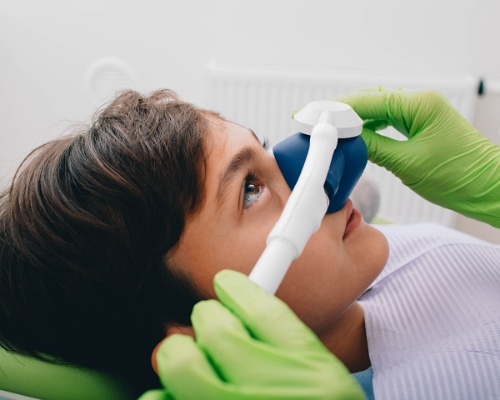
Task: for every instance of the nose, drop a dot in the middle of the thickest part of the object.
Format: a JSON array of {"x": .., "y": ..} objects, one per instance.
[{"x": 348, "y": 162}]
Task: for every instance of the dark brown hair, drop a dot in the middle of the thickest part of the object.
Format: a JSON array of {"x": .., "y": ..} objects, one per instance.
[{"x": 84, "y": 230}]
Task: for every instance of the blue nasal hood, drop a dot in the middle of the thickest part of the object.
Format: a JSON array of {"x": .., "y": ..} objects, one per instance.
[
  {"x": 327, "y": 157},
  {"x": 348, "y": 162}
]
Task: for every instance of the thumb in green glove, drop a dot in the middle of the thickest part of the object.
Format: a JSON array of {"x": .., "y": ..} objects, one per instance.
[
  {"x": 249, "y": 345},
  {"x": 445, "y": 159}
]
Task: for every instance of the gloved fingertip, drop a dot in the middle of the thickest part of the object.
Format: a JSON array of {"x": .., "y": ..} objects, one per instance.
[
  {"x": 227, "y": 275},
  {"x": 228, "y": 283},
  {"x": 157, "y": 394},
  {"x": 375, "y": 124},
  {"x": 175, "y": 341},
  {"x": 368, "y": 135},
  {"x": 205, "y": 307},
  {"x": 176, "y": 353}
]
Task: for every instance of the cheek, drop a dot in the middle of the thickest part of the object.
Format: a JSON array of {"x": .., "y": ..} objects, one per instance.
[
  {"x": 241, "y": 252},
  {"x": 245, "y": 241},
  {"x": 331, "y": 274},
  {"x": 226, "y": 246},
  {"x": 314, "y": 279},
  {"x": 211, "y": 244}
]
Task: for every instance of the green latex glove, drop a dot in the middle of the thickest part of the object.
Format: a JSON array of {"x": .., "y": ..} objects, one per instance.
[
  {"x": 249, "y": 346},
  {"x": 445, "y": 159}
]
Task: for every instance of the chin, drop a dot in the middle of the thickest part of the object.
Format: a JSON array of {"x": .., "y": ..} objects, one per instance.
[
  {"x": 373, "y": 244},
  {"x": 379, "y": 245}
]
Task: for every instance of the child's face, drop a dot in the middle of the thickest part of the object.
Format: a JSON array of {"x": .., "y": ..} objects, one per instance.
[{"x": 245, "y": 194}]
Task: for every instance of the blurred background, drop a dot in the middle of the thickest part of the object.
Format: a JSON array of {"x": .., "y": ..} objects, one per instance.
[{"x": 60, "y": 60}]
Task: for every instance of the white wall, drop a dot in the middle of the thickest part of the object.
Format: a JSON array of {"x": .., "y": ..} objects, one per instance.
[{"x": 47, "y": 48}]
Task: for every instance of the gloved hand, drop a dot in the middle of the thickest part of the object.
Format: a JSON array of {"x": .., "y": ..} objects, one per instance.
[
  {"x": 249, "y": 346},
  {"x": 445, "y": 159}
]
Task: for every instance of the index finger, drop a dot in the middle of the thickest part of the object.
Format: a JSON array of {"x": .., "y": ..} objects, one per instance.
[
  {"x": 266, "y": 317},
  {"x": 369, "y": 103}
]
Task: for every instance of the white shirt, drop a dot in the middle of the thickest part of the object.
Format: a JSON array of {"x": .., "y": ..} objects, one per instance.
[{"x": 433, "y": 316}]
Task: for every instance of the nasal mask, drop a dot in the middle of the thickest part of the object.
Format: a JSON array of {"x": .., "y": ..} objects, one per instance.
[{"x": 321, "y": 164}]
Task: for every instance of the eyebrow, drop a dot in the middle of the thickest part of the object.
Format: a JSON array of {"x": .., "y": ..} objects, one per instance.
[
  {"x": 264, "y": 143},
  {"x": 244, "y": 157}
]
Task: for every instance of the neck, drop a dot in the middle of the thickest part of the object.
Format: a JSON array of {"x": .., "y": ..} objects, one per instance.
[{"x": 347, "y": 340}]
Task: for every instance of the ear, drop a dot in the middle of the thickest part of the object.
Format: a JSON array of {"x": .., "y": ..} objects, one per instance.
[{"x": 181, "y": 329}]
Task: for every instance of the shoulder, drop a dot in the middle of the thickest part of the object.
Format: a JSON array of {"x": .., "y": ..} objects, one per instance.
[{"x": 435, "y": 308}]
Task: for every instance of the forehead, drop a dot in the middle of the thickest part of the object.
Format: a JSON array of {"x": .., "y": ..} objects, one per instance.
[
  {"x": 229, "y": 147},
  {"x": 226, "y": 137}
]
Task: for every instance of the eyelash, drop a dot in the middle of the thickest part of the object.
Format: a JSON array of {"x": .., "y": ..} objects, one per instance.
[{"x": 250, "y": 180}]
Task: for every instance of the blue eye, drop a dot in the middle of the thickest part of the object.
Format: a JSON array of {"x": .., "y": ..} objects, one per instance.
[{"x": 251, "y": 191}]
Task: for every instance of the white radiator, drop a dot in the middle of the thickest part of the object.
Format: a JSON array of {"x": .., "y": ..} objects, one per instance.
[{"x": 264, "y": 100}]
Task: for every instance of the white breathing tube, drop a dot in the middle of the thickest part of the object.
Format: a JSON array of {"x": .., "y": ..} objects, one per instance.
[{"x": 325, "y": 122}]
